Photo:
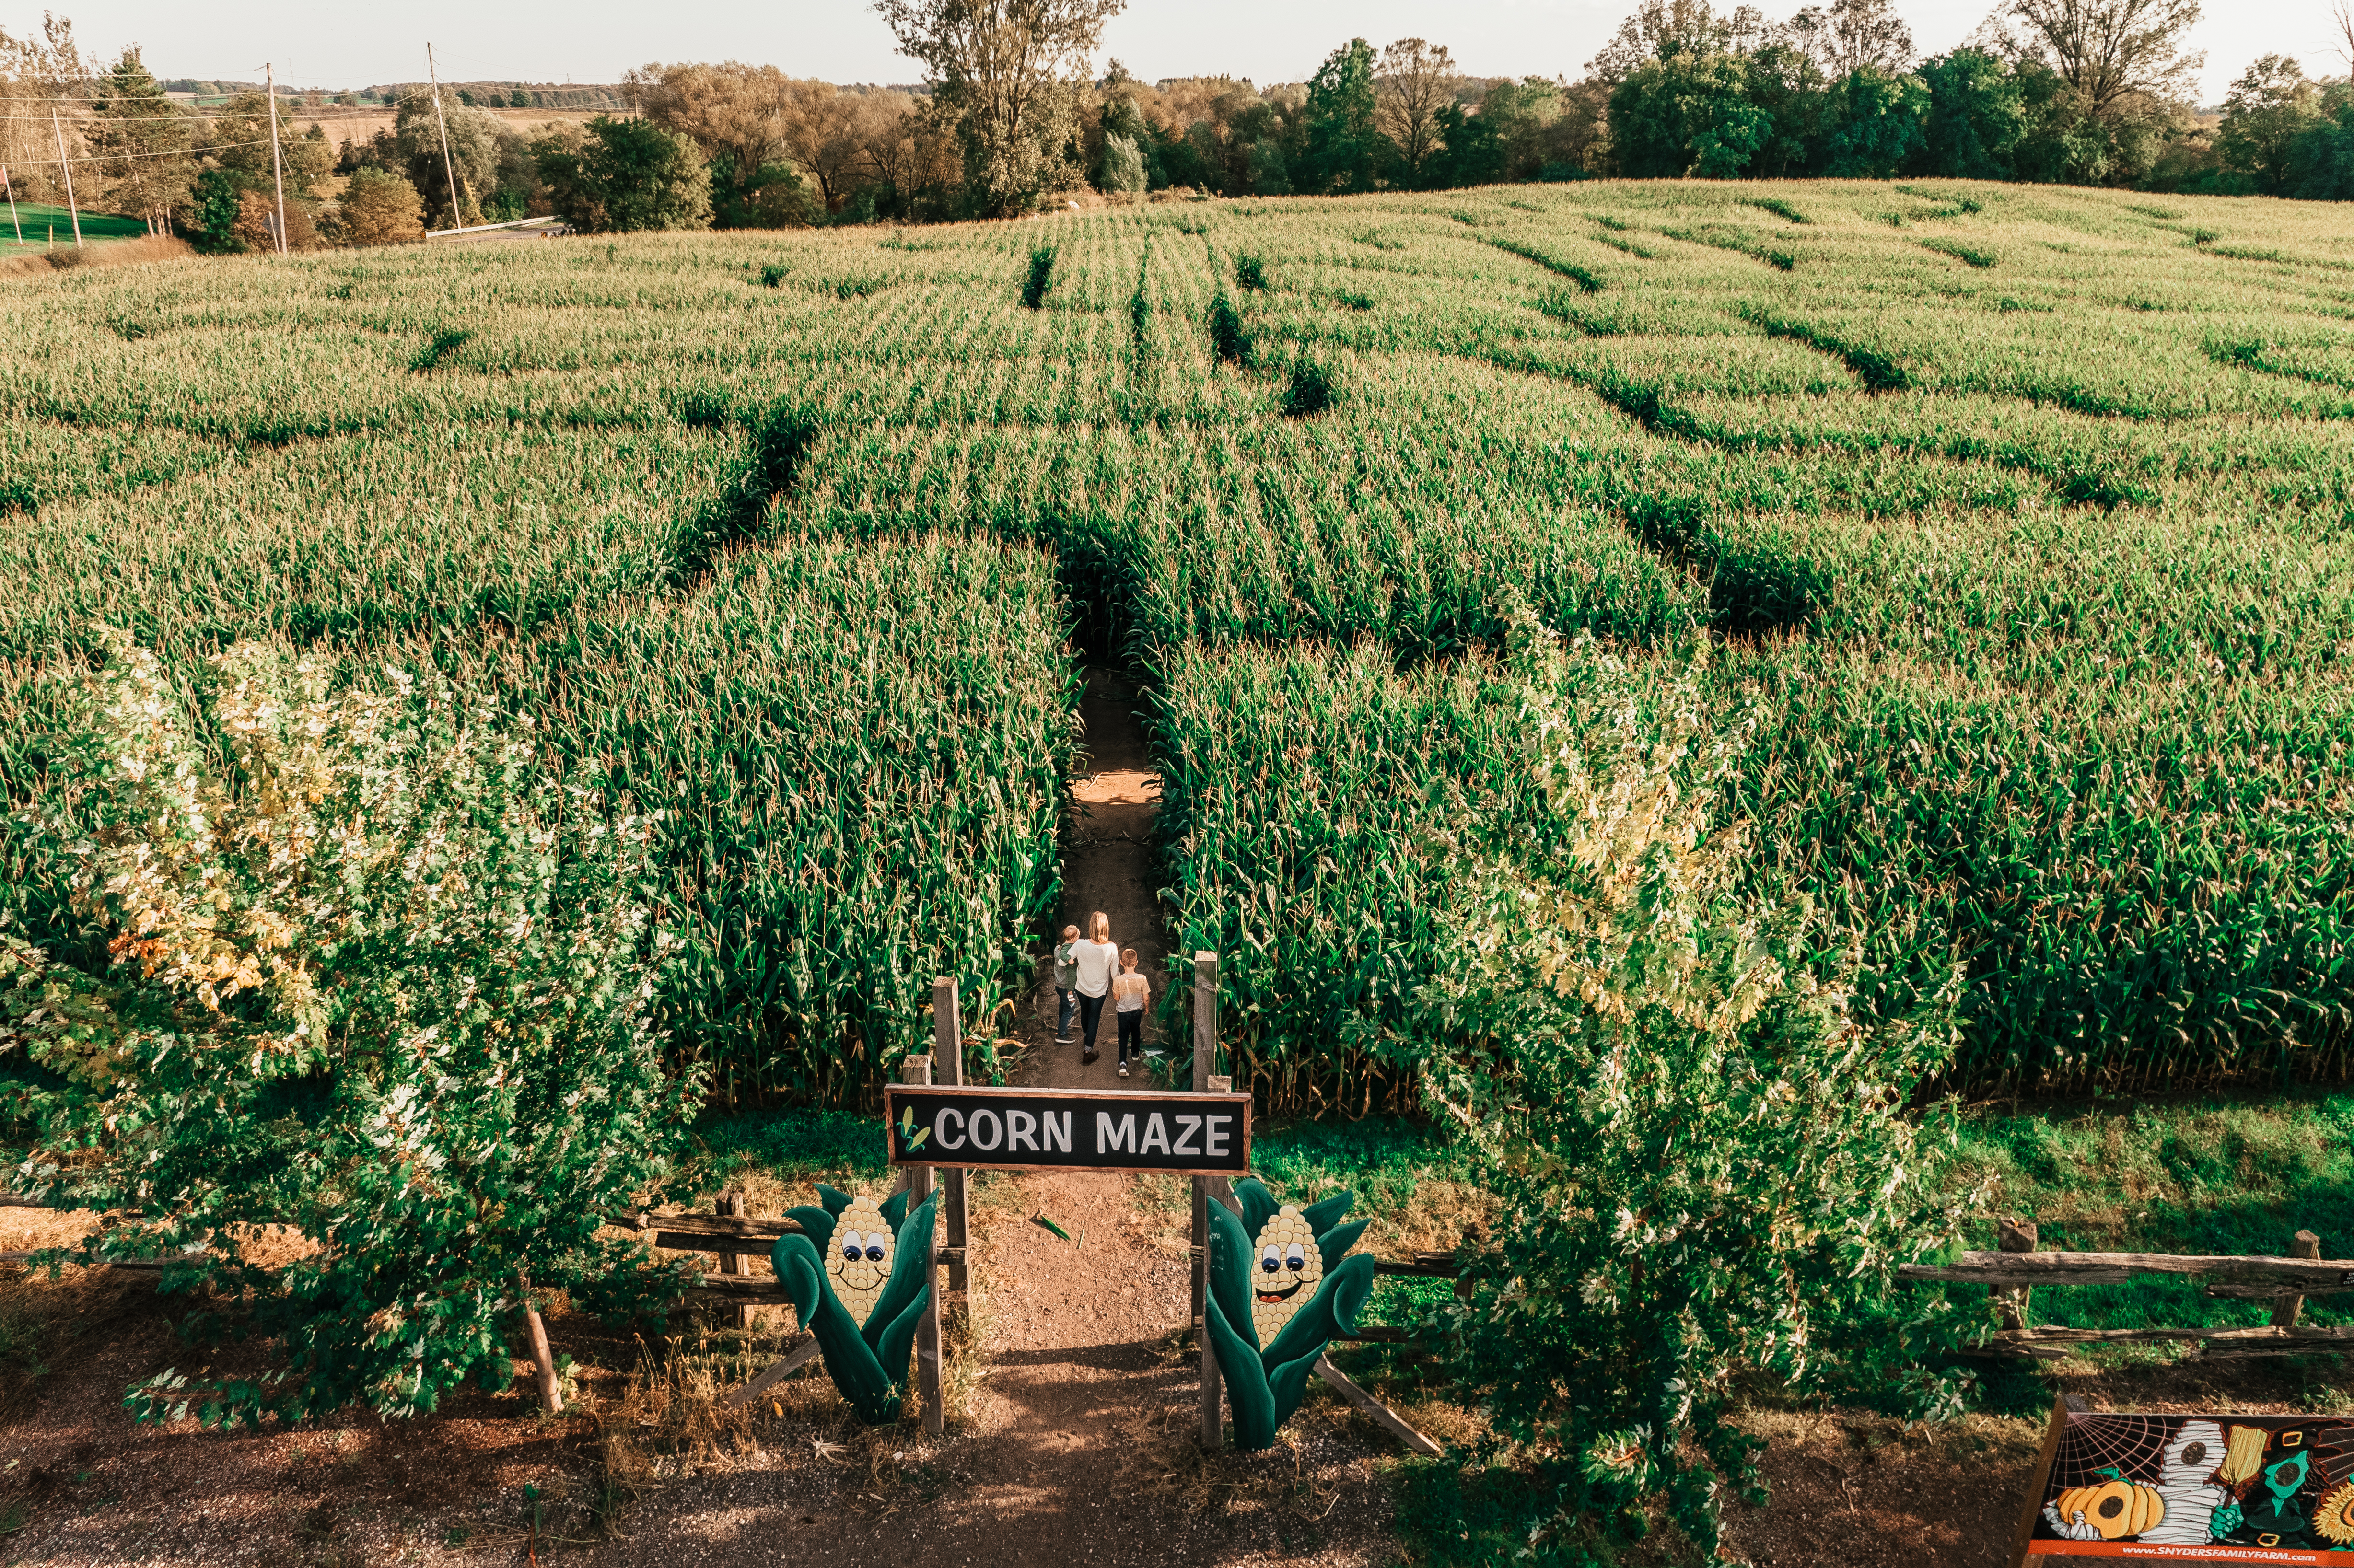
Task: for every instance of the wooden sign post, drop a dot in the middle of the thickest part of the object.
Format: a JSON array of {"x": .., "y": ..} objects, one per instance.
[
  {"x": 918, "y": 1070},
  {"x": 947, "y": 1069},
  {"x": 1205, "y": 1068}
]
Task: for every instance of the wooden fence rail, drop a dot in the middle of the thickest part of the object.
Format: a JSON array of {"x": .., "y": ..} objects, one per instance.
[
  {"x": 2245, "y": 1277},
  {"x": 2013, "y": 1271}
]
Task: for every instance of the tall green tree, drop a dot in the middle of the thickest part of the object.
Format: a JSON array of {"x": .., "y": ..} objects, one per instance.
[
  {"x": 1874, "y": 124},
  {"x": 145, "y": 145},
  {"x": 1977, "y": 114},
  {"x": 1657, "y": 30},
  {"x": 1341, "y": 145},
  {"x": 1849, "y": 36},
  {"x": 487, "y": 154},
  {"x": 2269, "y": 107},
  {"x": 1415, "y": 81},
  {"x": 2110, "y": 51},
  {"x": 1006, "y": 74},
  {"x": 1471, "y": 151},
  {"x": 1689, "y": 114},
  {"x": 2321, "y": 162}
]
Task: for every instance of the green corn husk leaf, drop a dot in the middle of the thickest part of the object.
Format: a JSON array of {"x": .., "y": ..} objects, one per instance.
[
  {"x": 816, "y": 1224},
  {"x": 1247, "y": 1393},
  {"x": 1324, "y": 1217},
  {"x": 911, "y": 1256},
  {"x": 1334, "y": 1245},
  {"x": 1230, "y": 1261},
  {"x": 895, "y": 1208},
  {"x": 1259, "y": 1205},
  {"x": 894, "y": 1344}
]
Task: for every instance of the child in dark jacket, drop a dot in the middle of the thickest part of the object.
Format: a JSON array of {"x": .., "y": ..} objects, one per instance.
[{"x": 1067, "y": 978}]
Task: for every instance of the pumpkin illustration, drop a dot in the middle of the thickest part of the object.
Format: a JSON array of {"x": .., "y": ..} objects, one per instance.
[{"x": 2117, "y": 1507}]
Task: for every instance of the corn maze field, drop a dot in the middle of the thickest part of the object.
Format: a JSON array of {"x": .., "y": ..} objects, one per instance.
[{"x": 2022, "y": 519}]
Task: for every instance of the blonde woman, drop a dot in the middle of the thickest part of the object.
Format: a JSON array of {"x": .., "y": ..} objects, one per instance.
[{"x": 1097, "y": 959}]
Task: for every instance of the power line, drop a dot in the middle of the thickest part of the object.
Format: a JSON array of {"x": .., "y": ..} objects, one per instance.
[{"x": 111, "y": 157}]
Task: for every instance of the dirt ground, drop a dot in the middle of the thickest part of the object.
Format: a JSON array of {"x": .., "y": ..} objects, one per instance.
[{"x": 1072, "y": 1408}]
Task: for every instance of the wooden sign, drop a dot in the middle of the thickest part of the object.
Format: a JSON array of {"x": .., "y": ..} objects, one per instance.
[
  {"x": 1068, "y": 1129},
  {"x": 2193, "y": 1488}
]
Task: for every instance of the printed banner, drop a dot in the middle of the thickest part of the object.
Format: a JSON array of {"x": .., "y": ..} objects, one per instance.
[{"x": 2204, "y": 1488}]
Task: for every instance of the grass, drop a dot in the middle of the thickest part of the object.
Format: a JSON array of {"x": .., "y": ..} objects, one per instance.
[
  {"x": 37, "y": 220},
  {"x": 2196, "y": 1175}
]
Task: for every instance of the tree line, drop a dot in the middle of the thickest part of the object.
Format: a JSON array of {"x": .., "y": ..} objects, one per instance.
[{"x": 1014, "y": 117}]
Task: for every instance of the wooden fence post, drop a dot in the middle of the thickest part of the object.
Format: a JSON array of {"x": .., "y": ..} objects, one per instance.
[
  {"x": 918, "y": 1070},
  {"x": 2011, "y": 1301},
  {"x": 731, "y": 1203},
  {"x": 1206, "y": 1066},
  {"x": 2288, "y": 1308},
  {"x": 947, "y": 1069}
]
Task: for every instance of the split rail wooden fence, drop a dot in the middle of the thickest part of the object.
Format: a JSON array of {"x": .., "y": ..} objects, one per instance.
[{"x": 2013, "y": 1271}]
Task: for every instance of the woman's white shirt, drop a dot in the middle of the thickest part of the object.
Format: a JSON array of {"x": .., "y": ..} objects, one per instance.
[{"x": 1098, "y": 962}]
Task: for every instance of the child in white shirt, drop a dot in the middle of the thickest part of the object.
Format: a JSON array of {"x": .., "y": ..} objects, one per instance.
[{"x": 1130, "y": 992}]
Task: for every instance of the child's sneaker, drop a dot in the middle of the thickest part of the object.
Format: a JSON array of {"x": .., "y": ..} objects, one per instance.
[
  {"x": 1123, "y": 1069},
  {"x": 1088, "y": 1058}
]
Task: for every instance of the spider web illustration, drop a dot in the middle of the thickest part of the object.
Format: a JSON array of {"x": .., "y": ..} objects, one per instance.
[
  {"x": 2135, "y": 1445},
  {"x": 2131, "y": 1443}
]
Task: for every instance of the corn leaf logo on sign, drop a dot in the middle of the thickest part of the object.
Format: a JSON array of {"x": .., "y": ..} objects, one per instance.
[{"x": 1204, "y": 1134}]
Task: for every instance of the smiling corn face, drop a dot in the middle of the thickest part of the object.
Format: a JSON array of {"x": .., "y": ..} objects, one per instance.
[
  {"x": 1285, "y": 1269},
  {"x": 859, "y": 1260}
]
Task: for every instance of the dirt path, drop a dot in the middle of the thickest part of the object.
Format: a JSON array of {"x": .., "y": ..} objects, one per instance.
[{"x": 1107, "y": 867}]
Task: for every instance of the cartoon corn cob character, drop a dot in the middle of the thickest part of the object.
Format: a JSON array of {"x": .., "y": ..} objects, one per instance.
[
  {"x": 1289, "y": 1267},
  {"x": 861, "y": 1301},
  {"x": 1281, "y": 1285}
]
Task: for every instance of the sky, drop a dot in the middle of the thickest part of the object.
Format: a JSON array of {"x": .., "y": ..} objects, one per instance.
[{"x": 349, "y": 45}]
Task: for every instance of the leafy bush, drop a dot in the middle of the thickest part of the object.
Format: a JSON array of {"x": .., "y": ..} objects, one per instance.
[
  {"x": 381, "y": 208},
  {"x": 375, "y": 975},
  {"x": 1704, "y": 1159}
]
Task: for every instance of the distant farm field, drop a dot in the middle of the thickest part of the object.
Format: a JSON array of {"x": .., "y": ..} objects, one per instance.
[{"x": 2022, "y": 518}]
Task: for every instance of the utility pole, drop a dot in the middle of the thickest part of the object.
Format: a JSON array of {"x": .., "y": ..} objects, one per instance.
[
  {"x": 64, "y": 163},
  {"x": 13, "y": 218},
  {"x": 276, "y": 166},
  {"x": 457, "y": 219}
]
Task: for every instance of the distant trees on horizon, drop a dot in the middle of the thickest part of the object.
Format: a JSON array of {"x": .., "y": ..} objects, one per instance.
[{"x": 1012, "y": 117}]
